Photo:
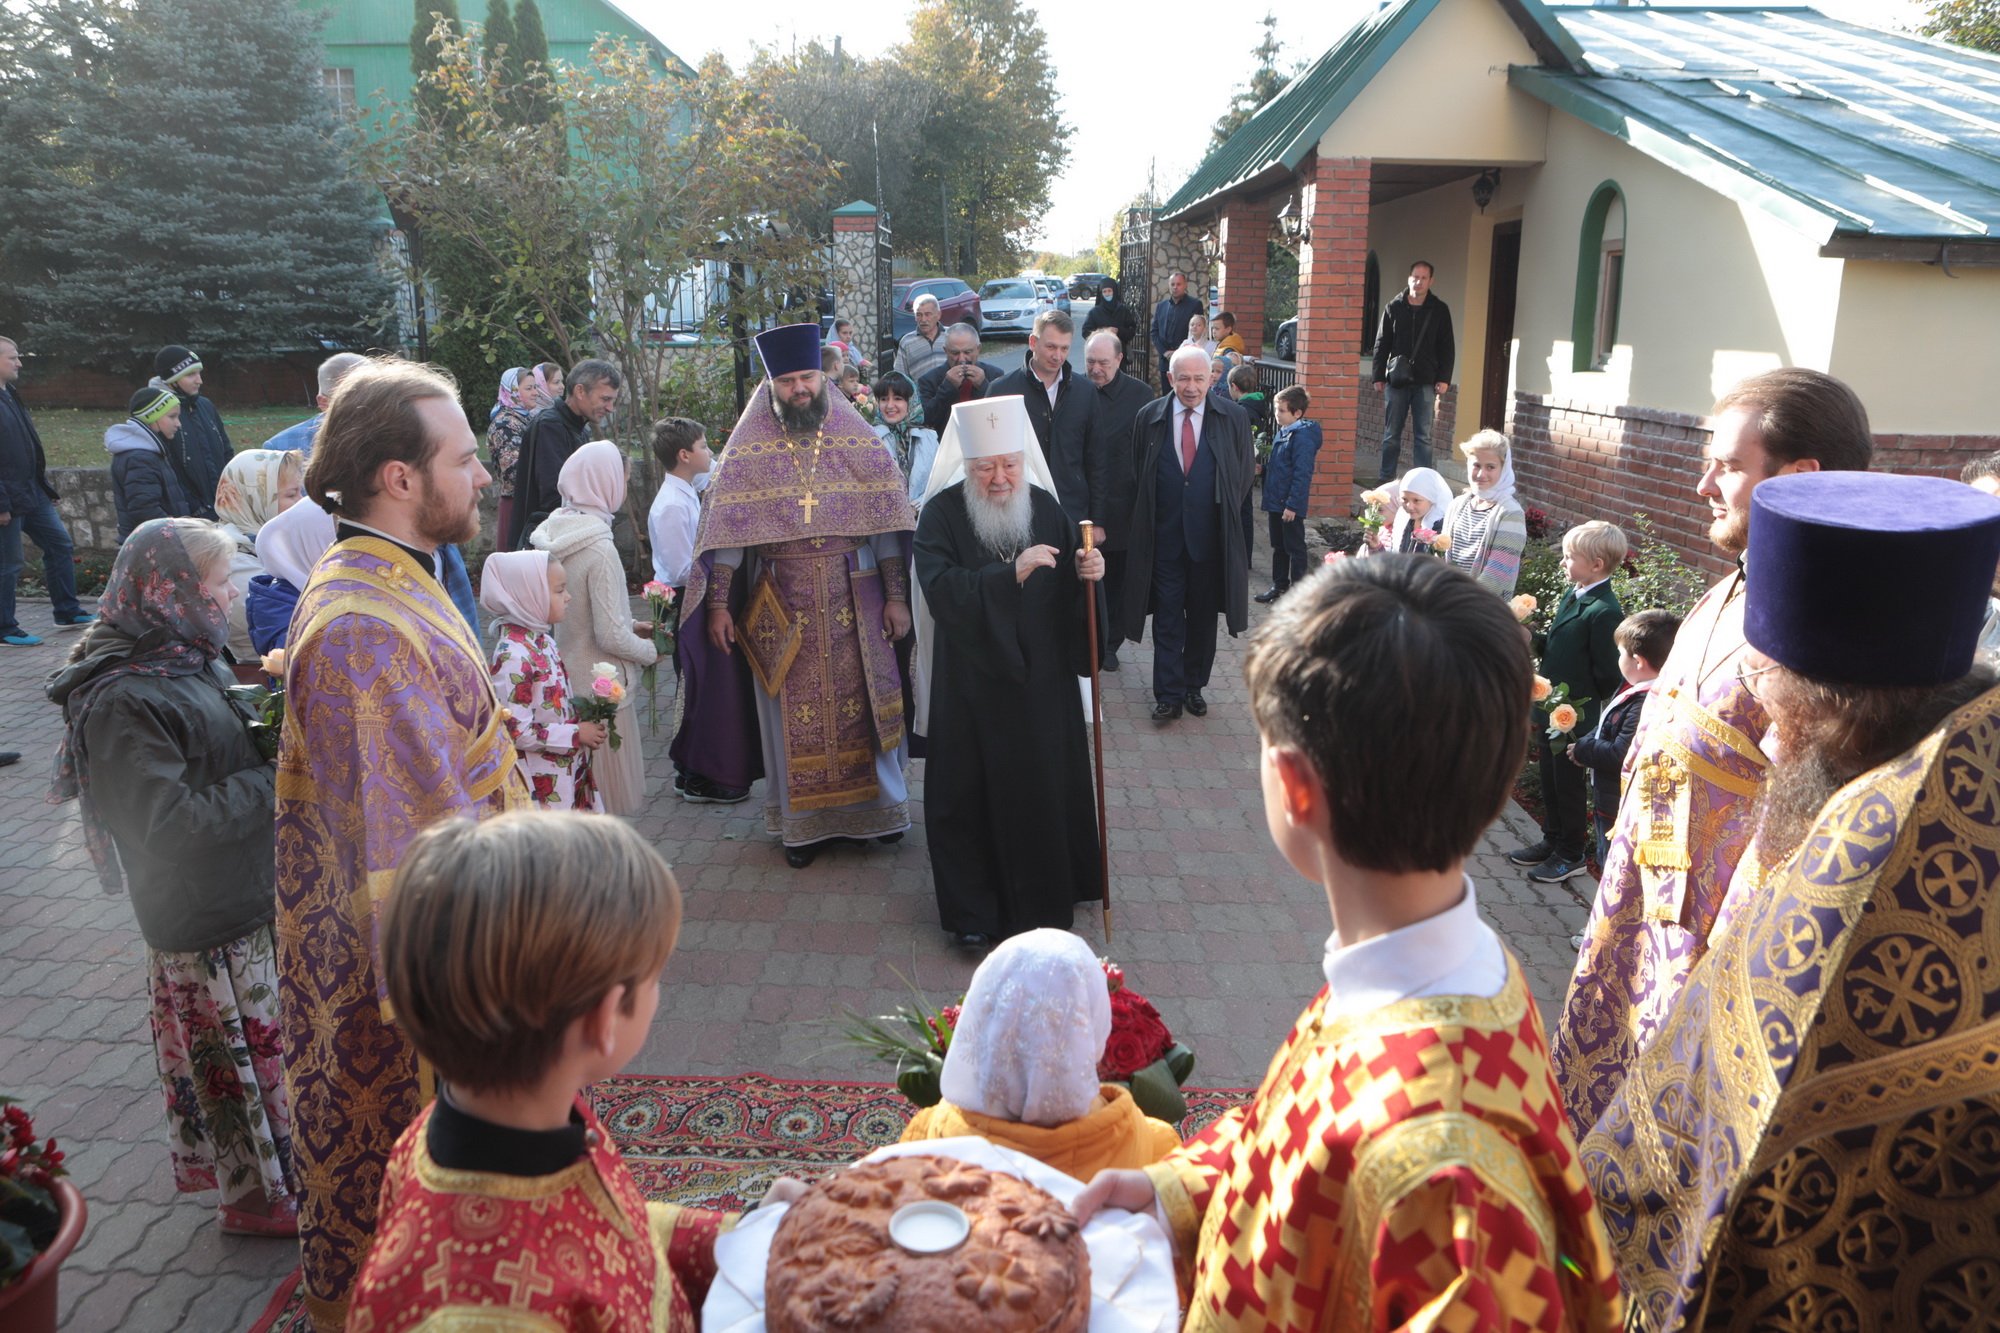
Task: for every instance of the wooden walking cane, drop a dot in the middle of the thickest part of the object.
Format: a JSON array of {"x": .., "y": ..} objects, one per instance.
[{"x": 1097, "y": 741}]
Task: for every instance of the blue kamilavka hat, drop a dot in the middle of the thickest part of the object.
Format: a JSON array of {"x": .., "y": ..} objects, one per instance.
[
  {"x": 1869, "y": 578},
  {"x": 789, "y": 349}
]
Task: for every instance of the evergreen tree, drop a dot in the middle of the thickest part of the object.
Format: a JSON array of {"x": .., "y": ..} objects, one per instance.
[
  {"x": 537, "y": 97},
  {"x": 499, "y": 46},
  {"x": 217, "y": 211},
  {"x": 1265, "y": 83}
]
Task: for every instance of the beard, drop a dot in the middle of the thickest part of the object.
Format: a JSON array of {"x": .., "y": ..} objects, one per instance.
[
  {"x": 800, "y": 420},
  {"x": 1731, "y": 533},
  {"x": 443, "y": 523},
  {"x": 1002, "y": 527}
]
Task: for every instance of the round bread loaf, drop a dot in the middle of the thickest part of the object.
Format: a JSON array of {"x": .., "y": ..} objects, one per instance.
[{"x": 1022, "y": 1268}]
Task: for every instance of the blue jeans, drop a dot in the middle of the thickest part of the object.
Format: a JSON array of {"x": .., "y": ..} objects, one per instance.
[
  {"x": 1414, "y": 402},
  {"x": 41, "y": 522}
]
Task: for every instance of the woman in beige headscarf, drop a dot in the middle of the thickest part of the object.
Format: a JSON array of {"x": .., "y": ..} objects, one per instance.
[
  {"x": 599, "y": 627},
  {"x": 256, "y": 486}
]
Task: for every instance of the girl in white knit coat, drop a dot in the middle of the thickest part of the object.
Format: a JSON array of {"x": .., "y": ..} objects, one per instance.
[{"x": 599, "y": 627}]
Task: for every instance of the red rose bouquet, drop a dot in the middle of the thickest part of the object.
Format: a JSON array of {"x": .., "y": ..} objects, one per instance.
[{"x": 29, "y": 1215}]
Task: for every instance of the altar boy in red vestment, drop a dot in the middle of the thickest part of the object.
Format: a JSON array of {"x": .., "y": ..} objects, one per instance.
[
  {"x": 1406, "y": 1163},
  {"x": 524, "y": 956}
]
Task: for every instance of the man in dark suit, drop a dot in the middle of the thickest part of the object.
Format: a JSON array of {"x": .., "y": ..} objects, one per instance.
[
  {"x": 1120, "y": 399},
  {"x": 1062, "y": 408},
  {"x": 1171, "y": 318},
  {"x": 962, "y": 378},
  {"x": 1188, "y": 556}
]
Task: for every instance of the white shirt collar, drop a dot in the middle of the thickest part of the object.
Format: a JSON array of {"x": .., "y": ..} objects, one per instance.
[
  {"x": 1452, "y": 953},
  {"x": 680, "y": 484},
  {"x": 1588, "y": 586}
]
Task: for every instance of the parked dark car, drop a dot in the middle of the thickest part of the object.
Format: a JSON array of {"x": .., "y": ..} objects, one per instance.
[
  {"x": 1086, "y": 286},
  {"x": 958, "y": 303},
  {"x": 1288, "y": 339}
]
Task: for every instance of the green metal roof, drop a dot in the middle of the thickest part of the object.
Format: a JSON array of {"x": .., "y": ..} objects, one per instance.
[
  {"x": 1873, "y": 142},
  {"x": 1288, "y": 127}
]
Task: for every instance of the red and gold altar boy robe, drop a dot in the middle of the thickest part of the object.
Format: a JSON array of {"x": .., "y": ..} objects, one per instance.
[
  {"x": 1406, "y": 1166},
  {"x": 579, "y": 1248}
]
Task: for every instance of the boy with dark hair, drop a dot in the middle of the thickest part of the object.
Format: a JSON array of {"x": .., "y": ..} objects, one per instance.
[
  {"x": 1644, "y": 639},
  {"x": 524, "y": 958},
  {"x": 1287, "y": 488},
  {"x": 1406, "y": 1160}
]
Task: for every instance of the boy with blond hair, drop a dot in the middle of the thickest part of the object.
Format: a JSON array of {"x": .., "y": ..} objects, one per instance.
[
  {"x": 523, "y": 956},
  {"x": 1580, "y": 656},
  {"x": 1406, "y": 1162}
]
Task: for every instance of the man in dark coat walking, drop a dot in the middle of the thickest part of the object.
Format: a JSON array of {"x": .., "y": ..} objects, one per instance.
[
  {"x": 1188, "y": 557},
  {"x": 28, "y": 508},
  {"x": 1062, "y": 408},
  {"x": 1170, "y": 321},
  {"x": 1120, "y": 398}
]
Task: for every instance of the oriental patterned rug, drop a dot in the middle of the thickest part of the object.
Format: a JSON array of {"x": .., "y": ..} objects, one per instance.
[{"x": 718, "y": 1142}]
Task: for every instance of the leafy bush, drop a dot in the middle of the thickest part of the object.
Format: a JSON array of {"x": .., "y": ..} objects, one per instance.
[{"x": 1654, "y": 576}]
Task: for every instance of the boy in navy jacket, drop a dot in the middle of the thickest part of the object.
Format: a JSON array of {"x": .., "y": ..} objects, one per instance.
[
  {"x": 1644, "y": 638},
  {"x": 1287, "y": 487}
]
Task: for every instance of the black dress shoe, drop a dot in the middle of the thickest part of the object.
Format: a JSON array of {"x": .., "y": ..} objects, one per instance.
[
  {"x": 798, "y": 858},
  {"x": 890, "y": 839},
  {"x": 1196, "y": 704},
  {"x": 1268, "y": 596},
  {"x": 1110, "y": 661},
  {"x": 9, "y": 757},
  {"x": 970, "y": 939},
  {"x": 1164, "y": 713}
]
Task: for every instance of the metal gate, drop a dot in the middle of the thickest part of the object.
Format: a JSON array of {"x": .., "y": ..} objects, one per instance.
[
  {"x": 885, "y": 292},
  {"x": 1135, "y": 287}
]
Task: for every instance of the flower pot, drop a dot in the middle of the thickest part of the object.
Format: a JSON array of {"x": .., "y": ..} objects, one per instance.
[{"x": 28, "y": 1304}]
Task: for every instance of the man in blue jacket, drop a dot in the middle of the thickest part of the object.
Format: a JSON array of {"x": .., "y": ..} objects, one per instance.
[
  {"x": 1170, "y": 321},
  {"x": 1287, "y": 488},
  {"x": 28, "y": 508}
]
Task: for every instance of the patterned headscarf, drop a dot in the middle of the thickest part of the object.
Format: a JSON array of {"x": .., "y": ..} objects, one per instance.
[
  {"x": 154, "y": 619},
  {"x": 514, "y": 587},
  {"x": 247, "y": 496},
  {"x": 592, "y": 481},
  {"x": 509, "y": 396},
  {"x": 899, "y": 432}
]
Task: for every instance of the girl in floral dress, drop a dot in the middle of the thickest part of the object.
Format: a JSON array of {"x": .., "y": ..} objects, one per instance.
[
  {"x": 527, "y": 594},
  {"x": 176, "y": 800}
]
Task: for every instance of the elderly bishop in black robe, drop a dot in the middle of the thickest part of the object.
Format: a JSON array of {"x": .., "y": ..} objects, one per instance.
[{"x": 1008, "y": 805}]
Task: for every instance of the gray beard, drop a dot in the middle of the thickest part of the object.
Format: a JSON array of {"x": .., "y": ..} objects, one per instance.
[
  {"x": 803, "y": 419},
  {"x": 1003, "y": 529}
]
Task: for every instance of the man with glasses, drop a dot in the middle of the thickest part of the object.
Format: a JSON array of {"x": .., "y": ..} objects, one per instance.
[{"x": 1697, "y": 764}]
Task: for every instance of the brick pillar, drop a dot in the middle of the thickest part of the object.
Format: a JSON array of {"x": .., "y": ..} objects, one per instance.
[
  {"x": 1245, "y": 232},
  {"x": 1332, "y": 270}
]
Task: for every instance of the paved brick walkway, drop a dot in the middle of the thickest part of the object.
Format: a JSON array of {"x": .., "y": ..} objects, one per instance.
[{"x": 1209, "y": 922}]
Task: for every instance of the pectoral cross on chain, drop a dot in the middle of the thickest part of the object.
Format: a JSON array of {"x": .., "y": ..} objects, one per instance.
[{"x": 806, "y": 503}]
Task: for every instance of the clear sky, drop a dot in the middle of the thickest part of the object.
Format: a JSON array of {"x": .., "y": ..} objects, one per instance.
[{"x": 1112, "y": 63}]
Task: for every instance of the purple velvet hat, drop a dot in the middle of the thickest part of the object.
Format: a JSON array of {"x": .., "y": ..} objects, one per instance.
[
  {"x": 789, "y": 349},
  {"x": 1869, "y": 578}
]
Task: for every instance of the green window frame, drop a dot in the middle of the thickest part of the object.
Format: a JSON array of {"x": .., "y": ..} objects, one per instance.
[{"x": 1594, "y": 317}]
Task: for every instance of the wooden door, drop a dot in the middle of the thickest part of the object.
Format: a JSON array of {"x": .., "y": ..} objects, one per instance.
[{"x": 1504, "y": 272}]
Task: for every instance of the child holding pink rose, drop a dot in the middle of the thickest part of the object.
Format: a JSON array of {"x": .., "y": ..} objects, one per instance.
[{"x": 528, "y": 593}]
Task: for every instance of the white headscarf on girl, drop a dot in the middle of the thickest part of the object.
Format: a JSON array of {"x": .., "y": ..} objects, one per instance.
[
  {"x": 1503, "y": 489},
  {"x": 1031, "y": 1032},
  {"x": 292, "y": 542},
  {"x": 593, "y": 480},
  {"x": 1428, "y": 483},
  {"x": 514, "y": 587}
]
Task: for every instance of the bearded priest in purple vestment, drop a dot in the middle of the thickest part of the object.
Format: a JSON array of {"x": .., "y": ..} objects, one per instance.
[{"x": 799, "y": 595}]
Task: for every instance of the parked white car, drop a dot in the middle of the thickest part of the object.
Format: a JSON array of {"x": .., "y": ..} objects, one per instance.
[{"x": 1010, "y": 306}]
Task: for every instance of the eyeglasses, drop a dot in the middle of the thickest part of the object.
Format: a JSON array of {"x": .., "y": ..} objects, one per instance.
[{"x": 1744, "y": 678}]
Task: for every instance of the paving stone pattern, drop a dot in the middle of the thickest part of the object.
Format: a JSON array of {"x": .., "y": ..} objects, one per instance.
[{"x": 1209, "y": 923}]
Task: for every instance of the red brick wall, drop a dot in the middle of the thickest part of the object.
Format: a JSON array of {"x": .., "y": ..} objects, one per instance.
[
  {"x": 280, "y": 381},
  {"x": 1591, "y": 460},
  {"x": 1246, "y": 232},
  {"x": 1332, "y": 270}
]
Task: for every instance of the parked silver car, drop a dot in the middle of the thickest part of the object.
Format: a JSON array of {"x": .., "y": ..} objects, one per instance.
[{"x": 1009, "y": 306}]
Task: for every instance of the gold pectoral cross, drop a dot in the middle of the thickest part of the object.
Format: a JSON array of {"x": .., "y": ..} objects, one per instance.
[{"x": 806, "y": 502}]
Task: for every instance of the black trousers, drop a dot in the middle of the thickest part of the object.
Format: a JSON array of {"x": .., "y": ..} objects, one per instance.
[
  {"x": 1114, "y": 597},
  {"x": 1565, "y": 797},
  {"x": 1187, "y": 598},
  {"x": 1288, "y": 550}
]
